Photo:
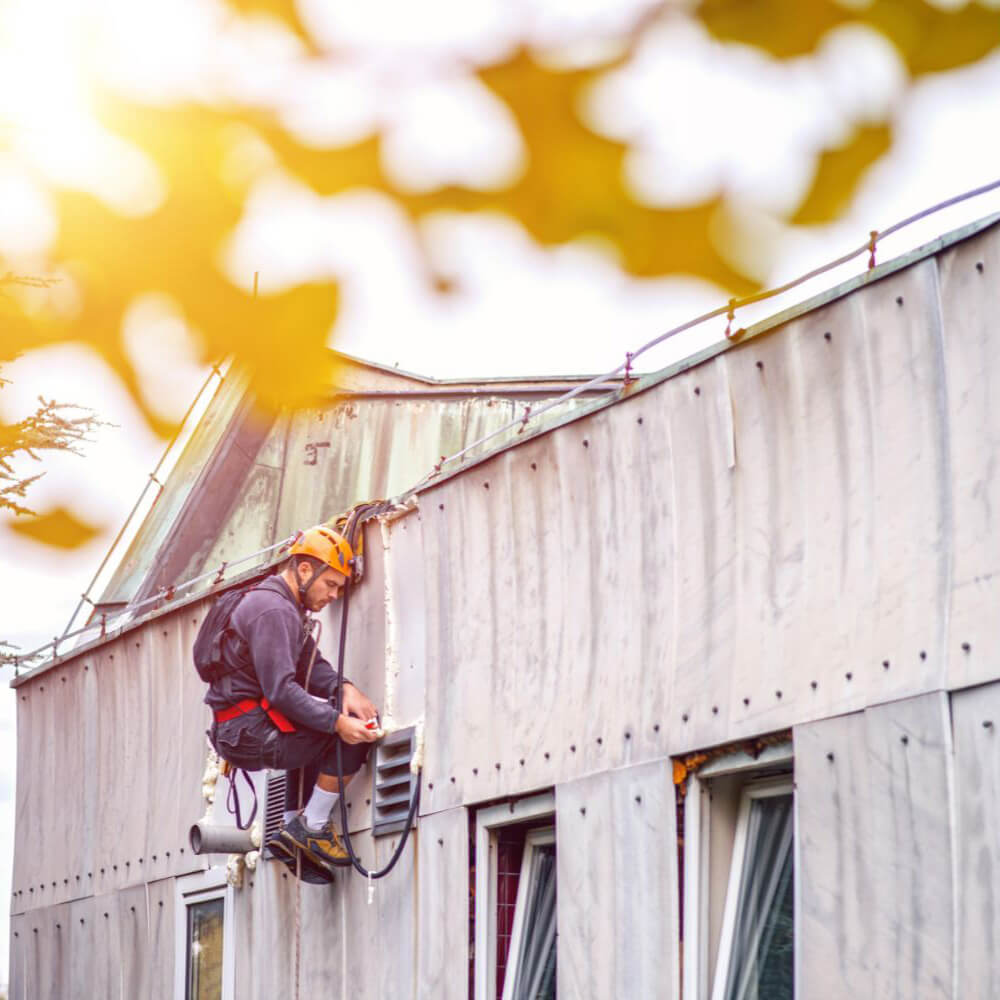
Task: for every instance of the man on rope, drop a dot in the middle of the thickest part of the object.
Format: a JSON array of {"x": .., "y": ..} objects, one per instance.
[{"x": 274, "y": 697}]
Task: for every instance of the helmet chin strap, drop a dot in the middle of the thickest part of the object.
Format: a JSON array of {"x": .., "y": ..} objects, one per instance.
[{"x": 317, "y": 572}]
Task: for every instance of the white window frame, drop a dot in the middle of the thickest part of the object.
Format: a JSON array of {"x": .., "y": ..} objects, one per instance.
[
  {"x": 697, "y": 861},
  {"x": 488, "y": 822},
  {"x": 200, "y": 888},
  {"x": 529, "y": 862},
  {"x": 759, "y": 790}
]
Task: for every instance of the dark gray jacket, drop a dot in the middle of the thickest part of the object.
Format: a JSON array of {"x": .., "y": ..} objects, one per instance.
[{"x": 271, "y": 653}]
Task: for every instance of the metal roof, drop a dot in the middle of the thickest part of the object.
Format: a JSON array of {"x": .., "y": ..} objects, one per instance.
[{"x": 248, "y": 479}]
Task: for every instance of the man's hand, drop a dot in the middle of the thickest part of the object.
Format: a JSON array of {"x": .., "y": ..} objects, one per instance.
[
  {"x": 356, "y": 703},
  {"x": 352, "y": 730}
]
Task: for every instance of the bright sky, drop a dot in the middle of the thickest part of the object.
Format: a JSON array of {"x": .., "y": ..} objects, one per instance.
[{"x": 697, "y": 115}]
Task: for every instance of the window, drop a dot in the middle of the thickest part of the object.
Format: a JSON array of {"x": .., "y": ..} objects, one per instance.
[
  {"x": 204, "y": 950},
  {"x": 756, "y": 953},
  {"x": 531, "y": 958},
  {"x": 515, "y": 910},
  {"x": 739, "y": 879}
]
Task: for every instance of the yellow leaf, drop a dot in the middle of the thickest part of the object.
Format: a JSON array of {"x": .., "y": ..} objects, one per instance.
[
  {"x": 929, "y": 37},
  {"x": 573, "y": 185},
  {"x": 839, "y": 172},
  {"x": 175, "y": 248},
  {"x": 285, "y": 11},
  {"x": 785, "y": 28},
  {"x": 59, "y": 528}
]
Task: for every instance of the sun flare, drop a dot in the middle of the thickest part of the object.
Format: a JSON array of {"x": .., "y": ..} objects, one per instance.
[{"x": 48, "y": 107}]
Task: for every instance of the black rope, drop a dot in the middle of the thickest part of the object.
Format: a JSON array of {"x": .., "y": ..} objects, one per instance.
[
  {"x": 354, "y": 526},
  {"x": 233, "y": 797}
]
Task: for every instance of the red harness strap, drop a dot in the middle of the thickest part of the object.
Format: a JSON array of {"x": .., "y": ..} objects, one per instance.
[{"x": 246, "y": 706}]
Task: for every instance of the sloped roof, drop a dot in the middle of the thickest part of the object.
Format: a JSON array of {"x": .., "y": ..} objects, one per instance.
[{"x": 248, "y": 479}]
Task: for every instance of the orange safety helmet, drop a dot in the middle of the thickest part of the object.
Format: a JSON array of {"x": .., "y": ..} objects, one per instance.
[{"x": 327, "y": 545}]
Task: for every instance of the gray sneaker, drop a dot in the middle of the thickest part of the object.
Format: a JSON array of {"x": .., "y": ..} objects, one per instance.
[
  {"x": 324, "y": 846},
  {"x": 309, "y": 870}
]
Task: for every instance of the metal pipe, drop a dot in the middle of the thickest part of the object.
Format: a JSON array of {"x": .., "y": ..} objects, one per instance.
[{"x": 209, "y": 838}]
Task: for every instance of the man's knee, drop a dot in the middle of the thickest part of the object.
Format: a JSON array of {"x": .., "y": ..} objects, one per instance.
[{"x": 352, "y": 758}]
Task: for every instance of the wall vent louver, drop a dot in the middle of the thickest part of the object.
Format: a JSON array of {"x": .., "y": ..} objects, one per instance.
[
  {"x": 274, "y": 808},
  {"x": 393, "y": 784}
]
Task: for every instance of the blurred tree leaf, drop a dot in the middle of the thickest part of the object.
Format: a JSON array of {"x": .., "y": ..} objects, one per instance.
[
  {"x": 785, "y": 28},
  {"x": 574, "y": 183},
  {"x": 929, "y": 38},
  {"x": 113, "y": 258},
  {"x": 285, "y": 11},
  {"x": 572, "y": 187},
  {"x": 838, "y": 173},
  {"x": 59, "y": 527}
]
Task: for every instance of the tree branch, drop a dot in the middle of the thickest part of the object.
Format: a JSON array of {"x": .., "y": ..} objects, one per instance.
[{"x": 52, "y": 427}]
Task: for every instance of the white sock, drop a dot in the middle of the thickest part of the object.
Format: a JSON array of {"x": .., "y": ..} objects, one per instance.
[
  {"x": 317, "y": 811},
  {"x": 288, "y": 815}
]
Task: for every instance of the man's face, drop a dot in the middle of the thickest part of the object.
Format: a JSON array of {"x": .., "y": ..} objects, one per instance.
[{"x": 324, "y": 588}]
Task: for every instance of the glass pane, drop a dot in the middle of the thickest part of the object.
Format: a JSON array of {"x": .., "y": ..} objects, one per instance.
[
  {"x": 204, "y": 950},
  {"x": 510, "y": 849},
  {"x": 761, "y": 965},
  {"x": 536, "y": 972}
]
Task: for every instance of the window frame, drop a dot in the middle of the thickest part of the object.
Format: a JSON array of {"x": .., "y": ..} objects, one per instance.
[
  {"x": 540, "y": 837},
  {"x": 763, "y": 789},
  {"x": 201, "y": 888},
  {"x": 696, "y": 901},
  {"x": 488, "y": 822}
]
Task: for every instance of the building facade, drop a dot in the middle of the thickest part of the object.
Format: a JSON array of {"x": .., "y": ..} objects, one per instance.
[{"x": 702, "y": 674}]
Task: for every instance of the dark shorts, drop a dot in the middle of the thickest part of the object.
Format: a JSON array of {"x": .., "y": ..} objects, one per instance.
[{"x": 254, "y": 742}]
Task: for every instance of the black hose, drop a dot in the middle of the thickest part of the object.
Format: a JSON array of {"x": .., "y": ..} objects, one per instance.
[{"x": 354, "y": 525}]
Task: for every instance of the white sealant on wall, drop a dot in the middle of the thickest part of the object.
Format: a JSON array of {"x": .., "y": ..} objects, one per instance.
[
  {"x": 235, "y": 867},
  {"x": 417, "y": 761},
  {"x": 209, "y": 779},
  {"x": 392, "y": 669},
  {"x": 391, "y": 636}
]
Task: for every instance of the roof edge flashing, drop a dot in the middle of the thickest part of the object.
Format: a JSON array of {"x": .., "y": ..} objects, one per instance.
[{"x": 643, "y": 383}]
